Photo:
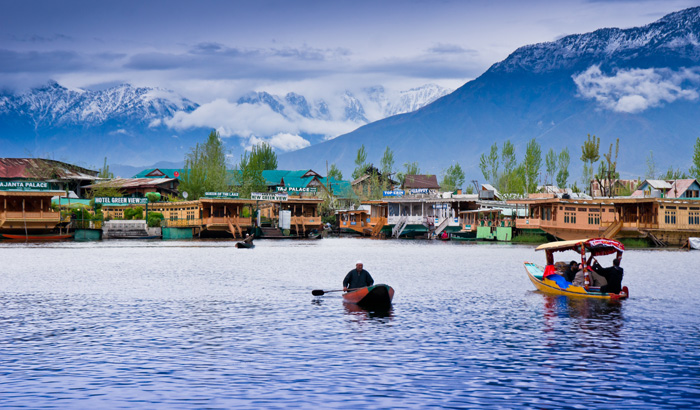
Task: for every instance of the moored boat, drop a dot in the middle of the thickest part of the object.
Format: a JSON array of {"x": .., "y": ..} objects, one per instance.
[
  {"x": 245, "y": 245},
  {"x": 371, "y": 297},
  {"x": 49, "y": 237},
  {"x": 547, "y": 279}
]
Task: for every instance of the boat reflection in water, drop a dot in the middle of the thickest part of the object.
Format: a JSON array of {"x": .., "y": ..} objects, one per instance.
[
  {"x": 356, "y": 310},
  {"x": 598, "y": 319}
]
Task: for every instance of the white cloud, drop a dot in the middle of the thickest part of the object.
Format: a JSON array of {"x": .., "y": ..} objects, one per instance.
[
  {"x": 635, "y": 90},
  {"x": 256, "y": 120},
  {"x": 281, "y": 141}
]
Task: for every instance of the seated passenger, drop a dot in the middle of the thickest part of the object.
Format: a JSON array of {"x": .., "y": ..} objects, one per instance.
[{"x": 569, "y": 272}]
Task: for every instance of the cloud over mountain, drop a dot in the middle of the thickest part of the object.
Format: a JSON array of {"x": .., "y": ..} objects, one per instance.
[{"x": 635, "y": 90}]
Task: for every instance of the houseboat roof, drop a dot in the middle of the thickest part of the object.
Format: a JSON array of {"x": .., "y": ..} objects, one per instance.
[
  {"x": 131, "y": 182},
  {"x": 159, "y": 173},
  {"x": 657, "y": 184},
  {"x": 44, "y": 169},
  {"x": 679, "y": 187},
  {"x": 420, "y": 181}
]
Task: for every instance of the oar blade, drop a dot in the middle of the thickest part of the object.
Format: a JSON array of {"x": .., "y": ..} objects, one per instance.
[{"x": 317, "y": 292}]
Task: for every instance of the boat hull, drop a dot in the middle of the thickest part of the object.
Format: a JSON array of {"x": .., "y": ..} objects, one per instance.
[
  {"x": 36, "y": 237},
  {"x": 559, "y": 285},
  {"x": 371, "y": 297},
  {"x": 245, "y": 245}
]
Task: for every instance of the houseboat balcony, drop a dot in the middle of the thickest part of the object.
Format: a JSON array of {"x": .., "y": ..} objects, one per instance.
[
  {"x": 306, "y": 220},
  {"x": 180, "y": 223},
  {"x": 223, "y": 221},
  {"x": 527, "y": 223},
  {"x": 410, "y": 220},
  {"x": 41, "y": 216}
]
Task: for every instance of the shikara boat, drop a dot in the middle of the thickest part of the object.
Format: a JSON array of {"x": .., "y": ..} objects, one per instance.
[
  {"x": 547, "y": 279},
  {"x": 37, "y": 237},
  {"x": 371, "y": 297},
  {"x": 245, "y": 245}
]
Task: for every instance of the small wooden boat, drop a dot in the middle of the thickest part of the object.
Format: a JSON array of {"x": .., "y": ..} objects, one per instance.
[
  {"x": 245, "y": 245},
  {"x": 49, "y": 237},
  {"x": 548, "y": 281},
  {"x": 371, "y": 297},
  {"x": 314, "y": 235}
]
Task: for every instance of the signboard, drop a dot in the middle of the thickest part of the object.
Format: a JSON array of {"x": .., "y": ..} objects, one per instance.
[
  {"x": 396, "y": 192},
  {"x": 108, "y": 200},
  {"x": 24, "y": 186},
  {"x": 441, "y": 206},
  {"x": 266, "y": 196},
  {"x": 221, "y": 194},
  {"x": 294, "y": 190},
  {"x": 419, "y": 191}
]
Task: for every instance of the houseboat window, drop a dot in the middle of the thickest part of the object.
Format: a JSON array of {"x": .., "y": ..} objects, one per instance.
[
  {"x": 593, "y": 219},
  {"x": 694, "y": 218},
  {"x": 694, "y": 209},
  {"x": 582, "y": 209},
  {"x": 670, "y": 217},
  {"x": 569, "y": 217},
  {"x": 682, "y": 208},
  {"x": 670, "y": 207},
  {"x": 611, "y": 210}
]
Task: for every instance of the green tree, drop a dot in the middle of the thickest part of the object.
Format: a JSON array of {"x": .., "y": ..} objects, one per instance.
[
  {"x": 651, "y": 167},
  {"x": 563, "y": 174},
  {"x": 410, "y": 168},
  {"x": 607, "y": 171},
  {"x": 550, "y": 166},
  {"x": 205, "y": 168},
  {"x": 589, "y": 156},
  {"x": 249, "y": 177},
  {"x": 531, "y": 165},
  {"x": 695, "y": 168},
  {"x": 360, "y": 163},
  {"x": 387, "y": 163},
  {"x": 505, "y": 182},
  {"x": 489, "y": 165},
  {"x": 453, "y": 178},
  {"x": 263, "y": 157},
  {"x": 672, "y": 174},
  {"x": 104, "y": 171},
  {"x": 335, "y": 173}
]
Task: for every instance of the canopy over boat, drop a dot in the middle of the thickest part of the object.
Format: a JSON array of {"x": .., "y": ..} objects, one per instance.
[{"x": 595, "y": 247}]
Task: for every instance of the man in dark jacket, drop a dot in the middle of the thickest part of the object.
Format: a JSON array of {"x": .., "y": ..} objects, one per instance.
[
  {"x": 612, "y": 274},
  {"x": 357, "y": 278}
]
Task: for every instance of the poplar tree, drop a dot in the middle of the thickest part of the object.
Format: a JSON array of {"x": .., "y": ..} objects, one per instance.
[
  {"x": 205, "y": 168},
  {"x": 550, "y": 166},
  {"x": 589, "y": 156},
  {"x": 563, "y": 174},
  {"x": 531, "y": 165},
  {"x": 360, "y": 163},
  {"x": 695, "y": 168}
]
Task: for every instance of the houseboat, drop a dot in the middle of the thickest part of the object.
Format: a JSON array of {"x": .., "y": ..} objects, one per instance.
[
  {"x": 663, "y": 221},
  {"x": 28, "y": 212}
]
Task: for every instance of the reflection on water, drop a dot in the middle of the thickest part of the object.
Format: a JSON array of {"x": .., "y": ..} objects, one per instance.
[{"x": 199, "y": 324}]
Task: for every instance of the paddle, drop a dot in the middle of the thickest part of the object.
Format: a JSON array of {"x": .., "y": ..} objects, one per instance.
[{"x": 319, "y": 292}]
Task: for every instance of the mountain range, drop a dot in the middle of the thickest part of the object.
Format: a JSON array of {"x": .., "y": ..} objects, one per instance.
[
  {"x": 640, "y": 85},
  {"x": 131, "y": 125}
]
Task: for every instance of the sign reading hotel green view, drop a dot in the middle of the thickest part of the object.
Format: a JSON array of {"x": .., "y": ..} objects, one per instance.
[
  {"x": 221, "y": 194},
  {"x": 266, "y": 196},
  {"x": 24, "y": 186},
  {"x": 108, "y": 200},
  {"x": 294, "y": 190}
]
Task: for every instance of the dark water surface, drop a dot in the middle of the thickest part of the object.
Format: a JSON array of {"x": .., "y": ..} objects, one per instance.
[{"x": 200, "y": 324}]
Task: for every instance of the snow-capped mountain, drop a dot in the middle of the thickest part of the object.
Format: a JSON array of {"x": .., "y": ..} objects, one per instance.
[
  {"x": 57, "y": 106},
  {"x": 641, "y": 85},
  {"x": 351, "y": 107}
]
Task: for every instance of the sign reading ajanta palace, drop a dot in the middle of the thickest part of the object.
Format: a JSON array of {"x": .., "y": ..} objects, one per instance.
[{"x": 24, "y": 186}]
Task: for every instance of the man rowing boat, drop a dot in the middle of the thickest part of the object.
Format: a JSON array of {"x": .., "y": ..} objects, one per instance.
[{"x": 357, "y": 278}]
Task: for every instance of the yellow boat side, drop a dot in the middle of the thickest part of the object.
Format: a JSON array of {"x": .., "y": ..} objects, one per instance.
[{"x": 549, "y": 286}]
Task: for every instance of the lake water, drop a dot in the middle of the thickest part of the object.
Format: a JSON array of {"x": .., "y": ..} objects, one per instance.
[{"x": 200, "y": 324}]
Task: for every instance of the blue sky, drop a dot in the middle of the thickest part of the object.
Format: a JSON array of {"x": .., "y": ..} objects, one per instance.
[
  {"x": 221, "y": 49},
  {"x": 212, "y": 52}
]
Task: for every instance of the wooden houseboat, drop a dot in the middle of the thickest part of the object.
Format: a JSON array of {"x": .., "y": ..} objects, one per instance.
[
  {"x": 662, "y": 221},
  {"x": 417, "y": 214},
  {"x": 487, "y": 223},
  {"x": 28, "y": 212},
  {"x": 232, "y": 216}
]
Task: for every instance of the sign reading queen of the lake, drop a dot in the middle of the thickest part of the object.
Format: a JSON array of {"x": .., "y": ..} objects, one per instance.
[
  {"x": 221, "y": 194},
  {"x": 24, "y": 186},
  {"x": 108, "y": 200}
]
